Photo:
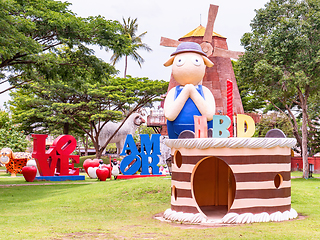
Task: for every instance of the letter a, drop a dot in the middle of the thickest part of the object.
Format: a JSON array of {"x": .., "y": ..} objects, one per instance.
[{"x": 129, "y": 145}]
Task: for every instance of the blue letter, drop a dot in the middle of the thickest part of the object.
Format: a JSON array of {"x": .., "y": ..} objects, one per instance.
[
  {"x": 129, "y": 145},
  {"x": 154, "y": 160},
  {"x": 148, "y": 145},
  {"x": 133, "y": 168},
  {"x": 220, "y": 126},
  {"x": 150, "y": 151}
]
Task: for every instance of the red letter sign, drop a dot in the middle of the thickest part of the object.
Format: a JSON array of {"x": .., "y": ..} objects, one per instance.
[{"x": 57, "y": 157}]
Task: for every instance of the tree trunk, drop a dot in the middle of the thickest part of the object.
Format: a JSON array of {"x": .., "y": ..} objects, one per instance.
[
  {"x": 98, "y": 155},
  {"x": 125, "y": 66},
  {"x": 97, "y": 148},
  {"x": 294, "y": 126},
  {"x": 304, "y": 146},
  {"x": 85, "y": 145},
  {"x": 66, "y": 128},
  {"x": 79, "y": 146},
  {"x": 290, "y": 117}
]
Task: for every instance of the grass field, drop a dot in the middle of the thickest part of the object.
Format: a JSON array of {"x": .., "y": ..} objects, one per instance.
[
  {"x": 123, "y": 209},
  {"x": 300, "y": 174}
]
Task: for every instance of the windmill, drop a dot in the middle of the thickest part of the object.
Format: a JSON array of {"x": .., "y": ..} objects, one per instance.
[{"x": 216, "y": 48}]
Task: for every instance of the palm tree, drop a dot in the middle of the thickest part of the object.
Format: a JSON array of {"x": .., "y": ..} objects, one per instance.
[{"x": 130, "y": 28}]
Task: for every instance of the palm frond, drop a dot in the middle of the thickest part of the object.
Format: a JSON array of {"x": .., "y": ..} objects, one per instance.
[
  {"x": 136, "y": 57},
  {"x": 129, "y": 28},
  {"x": 115, "y": 58}
]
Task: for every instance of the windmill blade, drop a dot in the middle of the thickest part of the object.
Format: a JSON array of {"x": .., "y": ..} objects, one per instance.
[
  {"x": 167, "y": 42},
  {"x": 220, "y": 52},
  {"x": 213, "y": 11}
]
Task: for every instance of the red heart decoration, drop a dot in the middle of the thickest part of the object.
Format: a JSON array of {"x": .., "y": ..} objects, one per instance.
[
  {"x": 29, "y": 173},
  {"x": 103, "y": 166},
  {"x": 103, "y": 173},
  {"x": 109, "y": 167},
  {"x": 90, "y": 163}
]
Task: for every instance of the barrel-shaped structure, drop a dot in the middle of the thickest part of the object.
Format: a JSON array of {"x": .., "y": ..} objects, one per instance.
[{"x": 231, "y": 178}]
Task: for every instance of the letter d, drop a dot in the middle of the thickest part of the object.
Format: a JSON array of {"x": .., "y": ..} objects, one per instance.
[{"x": 243, "y": 120}]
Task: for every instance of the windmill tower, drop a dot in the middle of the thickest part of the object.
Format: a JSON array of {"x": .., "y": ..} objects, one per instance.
[{"x": 216, "y": 48}]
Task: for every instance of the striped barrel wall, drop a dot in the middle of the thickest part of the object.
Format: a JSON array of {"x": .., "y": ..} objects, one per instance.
[{"x": 254, "y": 175}]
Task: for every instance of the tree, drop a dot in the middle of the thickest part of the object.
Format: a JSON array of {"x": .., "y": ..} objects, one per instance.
[
  {"x": 10, "y": 135},
  {"x": 59, "y": 84},
  {"x": 30, "y": 28},
  {"x": 272, "y": 121},
  {"x": 249, "y": 100},
  {"x": 281, "y": 62},
  {"x": 143, "y": 129},
  {"x": 88, "y": 98},
  {"x": 4, "y": 119},
  {"x": 129, "y": 28}
]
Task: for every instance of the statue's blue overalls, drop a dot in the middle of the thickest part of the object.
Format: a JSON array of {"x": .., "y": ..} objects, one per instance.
[{"x": 185, "y": 120}]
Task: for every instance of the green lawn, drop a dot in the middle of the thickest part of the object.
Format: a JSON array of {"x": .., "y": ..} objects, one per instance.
[
  {"x": 123, "y": 209},
  {"x": 299, "y": 174}
]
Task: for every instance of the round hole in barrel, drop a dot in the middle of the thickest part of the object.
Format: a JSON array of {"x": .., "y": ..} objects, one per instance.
[
  {"x": 174, "y": 192},
  {"x": 178, "y": 159},
  {"x": 278, "y": 179}
]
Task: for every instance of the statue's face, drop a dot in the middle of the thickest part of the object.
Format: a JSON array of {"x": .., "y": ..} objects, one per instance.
[
  {"x": 138, "y": 120},
  {"x": 188, "y": 68},
  {"x": 5, "y": 155}
]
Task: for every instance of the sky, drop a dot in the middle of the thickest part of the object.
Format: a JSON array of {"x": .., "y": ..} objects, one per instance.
[{"x": 167, "y": 18}]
